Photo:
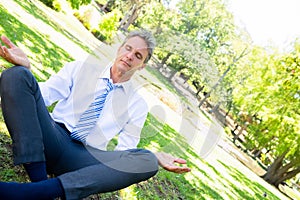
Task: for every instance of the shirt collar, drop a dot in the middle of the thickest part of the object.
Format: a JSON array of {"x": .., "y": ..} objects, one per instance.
[{"x": 125, "y": 85}]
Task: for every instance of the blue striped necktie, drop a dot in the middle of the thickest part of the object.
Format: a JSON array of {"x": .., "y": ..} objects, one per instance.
[{"x": 88, "y": 119}]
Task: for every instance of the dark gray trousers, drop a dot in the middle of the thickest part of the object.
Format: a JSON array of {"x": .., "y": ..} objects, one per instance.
[{"x": 37, "y": 137}]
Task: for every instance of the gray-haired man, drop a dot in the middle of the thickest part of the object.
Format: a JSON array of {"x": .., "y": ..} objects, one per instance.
[{"x": 95, "y": 103}]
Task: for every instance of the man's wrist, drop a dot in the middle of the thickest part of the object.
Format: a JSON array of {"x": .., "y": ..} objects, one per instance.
[{"x": 27, "y": 64}]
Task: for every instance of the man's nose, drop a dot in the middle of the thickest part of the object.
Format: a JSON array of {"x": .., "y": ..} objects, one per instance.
[{"x": 130, "y": 55}]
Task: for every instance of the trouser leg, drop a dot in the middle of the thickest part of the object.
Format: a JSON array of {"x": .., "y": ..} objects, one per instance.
[
  {"x": 36, "y": 137},
  {"x": 114, "y": 171},
  {"x": 26, "y": 116}
]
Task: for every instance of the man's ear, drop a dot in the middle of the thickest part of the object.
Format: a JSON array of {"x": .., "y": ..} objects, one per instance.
[{"x": 143, "y": 66}]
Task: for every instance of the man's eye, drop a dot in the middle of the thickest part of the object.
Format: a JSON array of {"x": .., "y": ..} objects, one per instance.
[
  {"x": 128, "y": 48},
  {"x": 139, "y": 56}
]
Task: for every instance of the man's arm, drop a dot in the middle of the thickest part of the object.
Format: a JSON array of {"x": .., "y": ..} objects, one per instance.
[
  {"x": 13, "y": 54},
  {"x": 168, "y": 161},
  {"x": 130, "y": 135}
]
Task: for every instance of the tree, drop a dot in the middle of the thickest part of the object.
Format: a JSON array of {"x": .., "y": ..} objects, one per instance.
[
  {"x": 222, "y": 77},
  {"x": 212, "y": 26},
  {"x": 77, "y": 3},
  {"x": 130, "y": 9},
  {"x": 272, "y": 93}
]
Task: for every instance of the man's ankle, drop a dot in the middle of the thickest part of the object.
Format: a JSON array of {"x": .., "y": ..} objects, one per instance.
[{"x": 36, "y": 171}]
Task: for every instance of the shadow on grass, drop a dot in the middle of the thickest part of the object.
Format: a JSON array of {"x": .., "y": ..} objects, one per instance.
[
  {"x": 39, "y": 49},
  {"x": 39, "y": 14},
  {"x": 204, "y": 182},
  {"x": 260, "y": 192},
  {"x": 167, "y": 185},
  {"x": 166, "y": 82}
]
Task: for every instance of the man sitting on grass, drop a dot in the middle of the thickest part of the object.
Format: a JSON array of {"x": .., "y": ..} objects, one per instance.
[{"x": 95, "y": 103}]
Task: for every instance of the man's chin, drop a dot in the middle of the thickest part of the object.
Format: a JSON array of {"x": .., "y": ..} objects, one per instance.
[{"x": 124, "y": 68}]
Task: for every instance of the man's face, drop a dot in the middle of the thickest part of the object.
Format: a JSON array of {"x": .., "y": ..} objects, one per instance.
[{"x": 131, "y": 56}]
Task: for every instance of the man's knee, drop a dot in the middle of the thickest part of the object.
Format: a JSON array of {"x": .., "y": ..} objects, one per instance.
[
  {"x": 152, "y": 160},
  {"x": 14, "y": 73},
  {"x": 14, "y": 78},
  {"x": 146, "y": 160}
]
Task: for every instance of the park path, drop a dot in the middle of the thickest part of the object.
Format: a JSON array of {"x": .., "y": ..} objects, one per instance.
[{"x": 204, "y": 135}]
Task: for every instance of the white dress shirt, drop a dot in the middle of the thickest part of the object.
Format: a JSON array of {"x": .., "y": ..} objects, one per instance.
[{"x": 77, "y": 84}]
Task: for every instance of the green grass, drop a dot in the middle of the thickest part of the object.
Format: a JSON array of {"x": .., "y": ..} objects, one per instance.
[
  {"x": 46, "y": 57},
  {"x": 39, "y": 14},
  {"x": 208, "y": 180},
  {"x": 166, "y": 82},
  {"x": 204, "y": 182},
  {"x": 8, "y": 172}
]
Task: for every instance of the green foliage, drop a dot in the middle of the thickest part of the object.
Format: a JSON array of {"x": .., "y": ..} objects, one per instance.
[
  {"x": 270, "y": 94},
  {"x": 108, "y": 26},
  {"x": 48, "y": 3},
  {"x": 85, "y": 18},
  {"x": 204, "y": 43},
  {"x": 75, "y": 4},
  {"x": 56, "y": 5},
  {"x": 155, "y": 16}
]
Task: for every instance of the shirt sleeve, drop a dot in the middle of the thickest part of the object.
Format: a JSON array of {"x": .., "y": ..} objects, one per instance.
[
  {"x": 129, "y": 136},
  {"x": 58, "y": 86}
]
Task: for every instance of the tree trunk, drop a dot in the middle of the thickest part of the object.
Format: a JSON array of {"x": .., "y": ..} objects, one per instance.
[
  {"x": 172, "y": 75},
  {"x": 129, "y": 18},
  {"x": 288, "y": 175},
  {"x": 215, "y": 108},
  {"x": 222, "y": 77},
  {"x": 238, "y": 135},
  {"x": 235, "y": 128},
  {"x": 277, "y": 172},
  {"x": 257, "y": 154},
  {"x": 204, "y": 99},
  {"x": 164, "y": 60},
  {"x": 199, "y": 90},
  {"x": 229, "y": 109},
  {"x": 274, "y": 167},
  {"x": 106, "y": 7}
]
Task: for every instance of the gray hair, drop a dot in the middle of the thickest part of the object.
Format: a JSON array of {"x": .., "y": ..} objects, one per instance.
[{"x": 147, "y": 37}]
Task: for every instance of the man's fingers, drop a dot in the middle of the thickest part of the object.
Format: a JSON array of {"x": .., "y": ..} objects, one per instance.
[
  {"x": 180, "y": 161},
  {"x": 183, "y": 169},
  {"x": 7, "y": 41},
  {"x": 177, "y": 169},
  {"x": 3, "y": 51}
]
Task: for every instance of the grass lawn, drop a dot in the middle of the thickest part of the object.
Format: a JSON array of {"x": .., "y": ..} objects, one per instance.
[{"x": 220, "y": 177}]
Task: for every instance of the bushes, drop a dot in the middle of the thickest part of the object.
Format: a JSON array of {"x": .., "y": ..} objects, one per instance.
[
  {"x": 108, "y": 26},
  {"x": 85, "y": 18},
  {"x": 47, "y": 2},
  {"x": 54, "y": 4},
  {"x": 104, "y": 27}
]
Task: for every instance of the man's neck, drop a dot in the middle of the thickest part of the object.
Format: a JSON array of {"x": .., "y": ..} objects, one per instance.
[{"x": 118, "y": 77}]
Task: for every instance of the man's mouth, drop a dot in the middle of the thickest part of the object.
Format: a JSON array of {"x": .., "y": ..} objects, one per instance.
[{"x": 126, "y": 63}]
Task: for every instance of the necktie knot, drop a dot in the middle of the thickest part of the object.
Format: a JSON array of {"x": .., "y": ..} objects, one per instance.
[{"x": 109, "y": 85}]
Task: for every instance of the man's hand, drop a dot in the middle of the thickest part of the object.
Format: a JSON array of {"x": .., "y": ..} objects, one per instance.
[
  {"x": 168, "y": 161},
  {"x": 13, "y": 54}
]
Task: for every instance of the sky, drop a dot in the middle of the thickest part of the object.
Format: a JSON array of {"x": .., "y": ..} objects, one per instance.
[{"x": 275, "y": 21}]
